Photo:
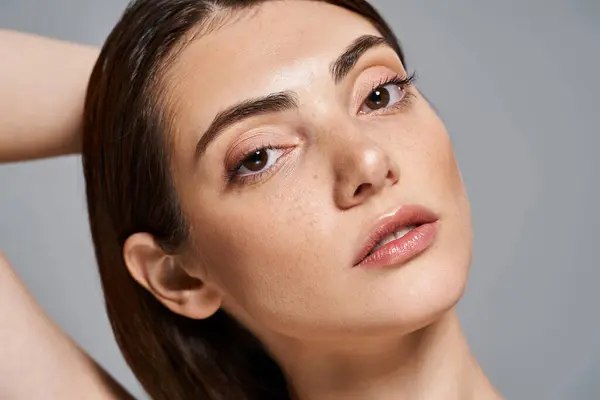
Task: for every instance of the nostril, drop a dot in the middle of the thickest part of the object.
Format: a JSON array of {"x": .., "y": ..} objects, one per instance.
[{"x": 361, "y": 189}]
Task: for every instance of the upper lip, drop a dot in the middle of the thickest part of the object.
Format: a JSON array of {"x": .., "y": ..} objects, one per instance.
[{"x": 394, "y": 221}]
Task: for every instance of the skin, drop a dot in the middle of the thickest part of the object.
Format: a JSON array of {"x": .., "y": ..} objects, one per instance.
[
  {"x": 37, "y": 360},
  {"x": 280, "y": 250},
  {"x": 42, "y": 85}
]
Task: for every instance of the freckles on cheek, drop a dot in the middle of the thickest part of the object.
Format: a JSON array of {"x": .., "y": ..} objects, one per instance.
[{"x": 276, "y": 266}]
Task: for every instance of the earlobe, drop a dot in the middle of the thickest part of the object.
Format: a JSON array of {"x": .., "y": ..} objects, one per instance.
[{"x": 163, "y": 275}]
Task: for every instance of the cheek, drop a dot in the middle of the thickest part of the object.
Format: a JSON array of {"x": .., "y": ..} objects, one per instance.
[
  {"x": 432, "y": 176},
  {"x": 445, "y": 177},
  {"x": 433, "y": 161},
  {"x": 268, "y": 263}
]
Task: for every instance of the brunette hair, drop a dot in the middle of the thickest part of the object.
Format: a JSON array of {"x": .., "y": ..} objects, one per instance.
[{"x": 126, "y": 159}]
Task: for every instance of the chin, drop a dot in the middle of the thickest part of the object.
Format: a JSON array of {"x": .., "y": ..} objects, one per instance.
[
  {"x": 398, "y": 307},
  {"x": 417, "y": 294}
]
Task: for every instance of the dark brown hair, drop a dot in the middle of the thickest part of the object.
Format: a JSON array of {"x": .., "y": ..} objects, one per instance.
[{"x": 126, "y": 160}]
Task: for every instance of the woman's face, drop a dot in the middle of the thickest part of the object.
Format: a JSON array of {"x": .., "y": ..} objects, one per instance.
[{"x": 285, "y": 193}]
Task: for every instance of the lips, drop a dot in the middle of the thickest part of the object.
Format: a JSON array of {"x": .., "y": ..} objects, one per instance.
[{"x": 398, "y": 237}]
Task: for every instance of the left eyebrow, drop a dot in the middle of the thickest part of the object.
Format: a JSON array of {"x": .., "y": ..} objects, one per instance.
[{"x": 342, "y": 66}]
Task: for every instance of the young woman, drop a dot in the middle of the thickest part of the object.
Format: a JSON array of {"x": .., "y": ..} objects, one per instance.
[{"x": 276, "y": 209}]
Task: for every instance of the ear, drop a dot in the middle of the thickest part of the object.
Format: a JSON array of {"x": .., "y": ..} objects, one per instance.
[{"x": 164, "y": 276}]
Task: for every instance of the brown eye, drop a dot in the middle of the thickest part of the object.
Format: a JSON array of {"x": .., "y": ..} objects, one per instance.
[
  {"x": 256, "y": 161},
  {"x": 259, "y": 161},
  {"x": 379, "y": 98},
  {"x": 383, "y": 97}
]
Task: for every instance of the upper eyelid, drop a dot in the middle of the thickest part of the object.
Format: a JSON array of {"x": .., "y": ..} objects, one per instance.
[
  {"x": 260, "y": 136},
  {"x": 380, "y": 56},
  {"x": 361, "y": 90}
]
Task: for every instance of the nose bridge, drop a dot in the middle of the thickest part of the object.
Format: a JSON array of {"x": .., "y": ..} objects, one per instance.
[
  {"x": 361, "y": 158},
  {"x": 361, "y": 165},
  {"x": 355, "y": 148}
]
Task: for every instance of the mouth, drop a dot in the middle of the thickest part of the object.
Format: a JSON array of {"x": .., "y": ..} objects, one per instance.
[{"x": 398, "y": 237}]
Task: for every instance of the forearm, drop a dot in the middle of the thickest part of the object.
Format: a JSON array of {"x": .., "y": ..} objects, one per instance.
[
  {"x": 37, "y": 360},
  {"x": 42, "y": 92}
]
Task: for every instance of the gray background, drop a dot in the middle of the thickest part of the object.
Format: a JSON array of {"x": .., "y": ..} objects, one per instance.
[{"x": 516, "y": 82}]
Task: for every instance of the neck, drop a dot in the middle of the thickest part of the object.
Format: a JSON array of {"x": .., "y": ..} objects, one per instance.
[{"x": 432, "y": 363}]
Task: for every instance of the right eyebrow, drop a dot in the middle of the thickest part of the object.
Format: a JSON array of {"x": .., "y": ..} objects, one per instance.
[{"x": 275, "y": 102}]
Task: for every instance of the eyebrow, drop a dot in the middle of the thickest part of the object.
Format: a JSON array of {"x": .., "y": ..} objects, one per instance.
[
  {"x": 275, "y": 102},
  {"x": 341, "y": 67},
  {"x": 287, "y": 100}
]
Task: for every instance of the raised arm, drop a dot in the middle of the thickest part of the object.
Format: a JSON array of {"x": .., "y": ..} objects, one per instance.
[{"x": 42, "y": 90}]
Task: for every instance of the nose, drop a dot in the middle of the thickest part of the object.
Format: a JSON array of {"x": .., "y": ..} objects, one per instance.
[{"x": 362, "y": 169}]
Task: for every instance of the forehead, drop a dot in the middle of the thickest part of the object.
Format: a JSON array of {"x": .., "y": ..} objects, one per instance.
[{"x": 277, "y": 46}]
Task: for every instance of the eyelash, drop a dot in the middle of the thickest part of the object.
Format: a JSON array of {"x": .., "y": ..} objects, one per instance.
[{"x": 403, "y": 83}]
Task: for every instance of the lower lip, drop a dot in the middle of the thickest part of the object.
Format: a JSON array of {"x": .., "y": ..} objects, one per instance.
[{"x": 400, "y": 251}]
